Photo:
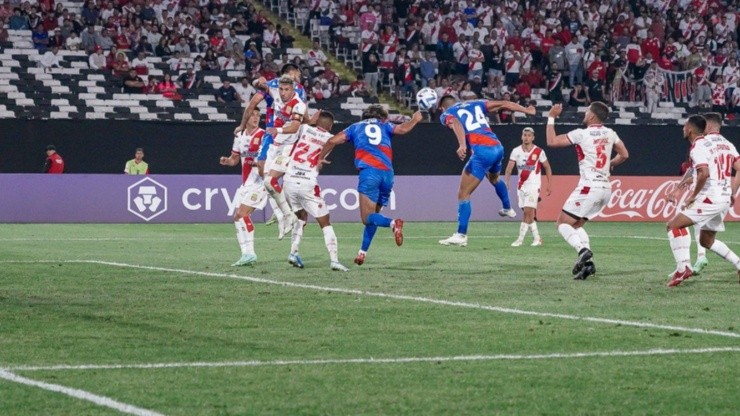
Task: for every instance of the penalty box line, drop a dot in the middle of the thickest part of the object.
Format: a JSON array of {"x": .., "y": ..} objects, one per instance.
[
  {"x": 78, "y": 394},
  {"x": 371, "y": 360},
  {"x": 419, "y": 299}
]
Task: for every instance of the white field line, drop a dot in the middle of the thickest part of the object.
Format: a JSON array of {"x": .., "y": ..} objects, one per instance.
[
  {"x": 401, "y": 297},
  {"x": 398, "y": 360},
  {"x": 79, "y": 394}
]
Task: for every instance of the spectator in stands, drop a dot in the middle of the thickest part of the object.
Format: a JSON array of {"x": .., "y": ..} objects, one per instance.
[
  {"x": 286, "y": 39},
  {"x": 151, "y": 86},
  {"x": 90, "y": 39},
  {"x": 595, "y": 89},
  {"x": 405, "y": 76},
  {"x": 90, "y": 13},
  {"x": 133, "y": 83},
  {"x": 320, "y": 91},
  {"x": 210, "y": 59},
  {"x": 245, "y": 89},
  {"x": 18, "y": 21},
  {"x": 73, "y": 42},
  {"x": 56, "y": 39},
  {"x": 227, "y": 93},
  {"x": 54, "y": 162},
  {"x": 555, "y": 85},
  {"x": 190, "y": 79},
  {"x": 183, "y": 47},
  {"x": 556, "y": 56},
  {"x": 51, "y": 59},
  {"x": 144, "y": 46},
  {"x": 97, "y": 59},
  {"x": 475, "y": 61},
  {"x": 578, "y": 97},
  {"x": 163, "y": 49},
  {"x": 460, "y": 53},
  {"x": 315, "y": 56},
  {"x": 270, "y": 37},
  {"x": 574, "y": 55},
  {"x": 506, "y": 116},
  {"x": 121, "y": 65},
  {"x": 6, "y": 10},
  {"x": 370, "y": 65},
  {"x": 359, "y": 87},
  {"x": 106, "y": 42},
  {"x": 523, "y": 90},
  {"x": 176, "y": 62},
  {"x": 445, "y": 55},
  {"x": 513, "y": 64},
  {"x": 335, "y": 86},
  {"x": 40, "y": 38},
  {"x": 467, "y": 93},
  {"x": 168, "y": 88},
  {"x": 654, "y": 82},
  {"x": 140, "y": 64},
  {"x": 719, "y": 99},
  {"x": 4, "y": 35},
  {"x": 232, "y": 40},
  {"x": 328, "y": 73},
  {"x": 427, "y": 69}
]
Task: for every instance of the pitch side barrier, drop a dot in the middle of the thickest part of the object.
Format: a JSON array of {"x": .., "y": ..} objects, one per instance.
[{"x": 116, "y": 198}]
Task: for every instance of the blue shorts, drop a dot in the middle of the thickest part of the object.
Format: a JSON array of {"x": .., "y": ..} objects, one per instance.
[
  {"x": 265, "y": 146},
  {"x": 376, "y": 184},
  {"x": 485, "y": 159}
]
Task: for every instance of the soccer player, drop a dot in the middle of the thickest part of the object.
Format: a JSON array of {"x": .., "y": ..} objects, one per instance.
[
  {"x": 713, "y": 158},
  {"x": 468, "y": 120},
  {"x": 302, "y": 190},
  {"x": 594, "y": 146},
  {"x": 252, "y": 193},
  {"x": 268, "y": 91},
  {"x": 371, "y": 138},
  {"x": 529, "y": 160}
]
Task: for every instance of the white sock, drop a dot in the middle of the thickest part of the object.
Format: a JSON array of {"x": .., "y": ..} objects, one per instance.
[
  {"x": 276, "y": 210},
  {"x": 723, "y": 251},
  {"x": 535, "y": 231},
  {"x": 584, "y": 238},
  {"x": 330, "y": 240},
  {"x": 681, "y": 246},
  {"x": 522, "y": 231},
  {"x": 571, "y": 236},
  {"x": 295, "y": 240},
  {"x": 245, "y": 235},
  {"x": 700, "y": 250}
]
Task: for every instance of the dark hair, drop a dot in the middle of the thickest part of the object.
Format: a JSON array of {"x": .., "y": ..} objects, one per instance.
[
  {"x": 698, "y": 122},
  {"x": 288, "y": 67},
  {"x": 600, "y": 110},
  {"x": 445, "y": 99},
  {"x": 327, "y": 118},
  {"x": 713, "y": 118},
  {"x": 375, "y": 111},
  {"x": 140, "y": 149}
]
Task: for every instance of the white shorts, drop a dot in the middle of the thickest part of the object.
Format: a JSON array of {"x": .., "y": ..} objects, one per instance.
[
  {"x": 528, "y": 197},
  {"x": 278, "y": 158},
  {"x": 253, "y": 195},
  {"x": 305, "y": 196},
  {"x": 587, "y": 201},
  {"x": 708, "y": 217}
]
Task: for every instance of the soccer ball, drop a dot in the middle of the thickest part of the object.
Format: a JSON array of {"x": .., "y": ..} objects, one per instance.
[{"x": 426, "y": 98}]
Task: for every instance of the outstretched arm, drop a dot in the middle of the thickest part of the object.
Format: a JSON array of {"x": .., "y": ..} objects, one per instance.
[
  {"x": 553, "y": 139},
  {"x": 253, "y": 103},
  {"x": 407, "y": 126},
  {"x": 335, "y": 140},
  {"x": 495, "y": 105}
]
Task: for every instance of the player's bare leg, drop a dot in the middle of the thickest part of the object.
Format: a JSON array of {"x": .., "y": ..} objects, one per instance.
[
  {"x": 680, "y": 242},
  {"x": 701, "y": 252},
  {"x": 294, "y": 257},
  {"x": 273, "y": 187},
  {"x": 371, "y": 217},
  {"x": 330, "y": 240},
  {"x": 468, "y": 184},
  {"x": 708, "y": 240},
  {"x": 571, "y": 228},
  {"x": 528, "y": 223},
  {"x": 245, "y": 235},
  {"x": 502, "y": 190}
]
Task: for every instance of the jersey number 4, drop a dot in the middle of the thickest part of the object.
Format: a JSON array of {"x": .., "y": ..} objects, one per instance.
[
  {"x": 473, "y": 122},
  {"x": 301, "y": 154}
]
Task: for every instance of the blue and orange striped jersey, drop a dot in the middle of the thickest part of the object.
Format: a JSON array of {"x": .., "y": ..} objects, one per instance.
[
  {"x": 472, "y": 116},
  {"x": 372, "y": 141}
]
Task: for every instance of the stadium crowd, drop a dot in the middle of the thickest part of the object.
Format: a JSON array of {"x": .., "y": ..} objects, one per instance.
[{"x": 579, "y": 51}]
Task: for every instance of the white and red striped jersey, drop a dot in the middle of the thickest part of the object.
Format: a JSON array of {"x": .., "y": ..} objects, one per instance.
[
  {"x": 475, "y": 59},
  {"x": 718, "y": 155},
  {"x": 594, "y": 146},
  {"x": 294, "y": 109},
  {"x": 369, "y": 38},
  {"x": 718, "y": 93},
  {"x": 512, "y": 62},
  {"x": 305, "y": 155},
  {"x": 247, "y": 146},
  {"x": 529, "y": 165}
]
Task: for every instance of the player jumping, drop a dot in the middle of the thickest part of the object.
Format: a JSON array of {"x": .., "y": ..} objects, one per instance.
[
  {"x": 468, "y": 121},
  {"x": 594, "y": 146},
  {"x": 302, "y": 189},
  {"x": 713, "y": 158},
  {"x": 374, "y": 159}
]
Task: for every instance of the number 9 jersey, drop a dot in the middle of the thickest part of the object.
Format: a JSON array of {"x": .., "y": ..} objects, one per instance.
[{"x": 372, "y": 141}]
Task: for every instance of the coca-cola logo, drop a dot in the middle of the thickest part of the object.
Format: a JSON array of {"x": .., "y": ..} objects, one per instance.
[{"x": 641, "y": 199}]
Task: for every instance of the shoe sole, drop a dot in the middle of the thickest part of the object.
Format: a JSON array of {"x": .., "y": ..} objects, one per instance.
[
  {"x": 454, "y": 244},
  {"x": 585, "y": 273},
  {"x": 359, "y": 262},
  {"x": 675, "y": 282},
  {"x": 582, "y": 259},
  {"x": 398, "y": 232}
]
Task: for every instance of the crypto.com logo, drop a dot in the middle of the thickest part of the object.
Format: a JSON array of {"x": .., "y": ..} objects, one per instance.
[{"x": 147, "y": 199}]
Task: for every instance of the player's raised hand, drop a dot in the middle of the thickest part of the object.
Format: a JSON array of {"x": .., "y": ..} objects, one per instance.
[
  {"x": 555, "y": 110},
  {"x": 462, "y": 151},
  {"x": 417, "y": 117}
]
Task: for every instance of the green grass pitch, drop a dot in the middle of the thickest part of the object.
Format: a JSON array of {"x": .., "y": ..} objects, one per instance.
[{"x": 508, "y": 314}]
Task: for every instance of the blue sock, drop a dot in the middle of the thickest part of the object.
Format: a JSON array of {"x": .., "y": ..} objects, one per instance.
[
  {"x": 379, "y": 220},
  {"x": 503, "y": 193},
  {"x": 367, "y": 236},
  {"x": 463, "y": 216}
]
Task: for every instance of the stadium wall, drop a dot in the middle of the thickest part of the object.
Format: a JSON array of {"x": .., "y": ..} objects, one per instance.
[{"x": 194, "y": 148}]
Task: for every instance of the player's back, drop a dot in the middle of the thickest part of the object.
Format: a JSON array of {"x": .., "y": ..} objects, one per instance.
[
  {"x": 719, "y": 155},
  {"x": 472, "y": 117},
  {"x": 594, "y": 146},
  {"x": 305, "y": 155},
  {"x": 372, "y": 141}
]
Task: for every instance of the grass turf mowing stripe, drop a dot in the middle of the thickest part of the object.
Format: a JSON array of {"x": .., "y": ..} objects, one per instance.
[
  {"x": 398, "y": 297},
  {"x": 79, "y": 394},
  {"x": 372, "y": 360}
]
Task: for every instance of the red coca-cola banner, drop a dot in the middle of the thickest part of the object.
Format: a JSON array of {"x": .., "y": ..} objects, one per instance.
[{"x": 634, "y": 198}]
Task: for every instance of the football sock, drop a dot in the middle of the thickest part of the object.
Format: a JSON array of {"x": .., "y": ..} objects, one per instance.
[
  {"x": 379, "y": 220},
  {"x": 571, "y": 236},
  {"x": 330, "y": 240},
  {"x": 463, "y": 216},
  {"x": 295, "y": 240},
  {"x": 276, "y": 210},
  {"x": 367, "y": 236},
  {"x": 245, "y": 235},
  {"x": 680, "y": 242},
  {"x": 522, "y": 231},
  {"x": 585, "y": 240},
  {"x": 275, "y": 191},
  {"x": 723, "y": 251},
  {"x": 535, "y": 231},
  {"x": 700, "y": 250},
  {"x": 503, "y": 193}
]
